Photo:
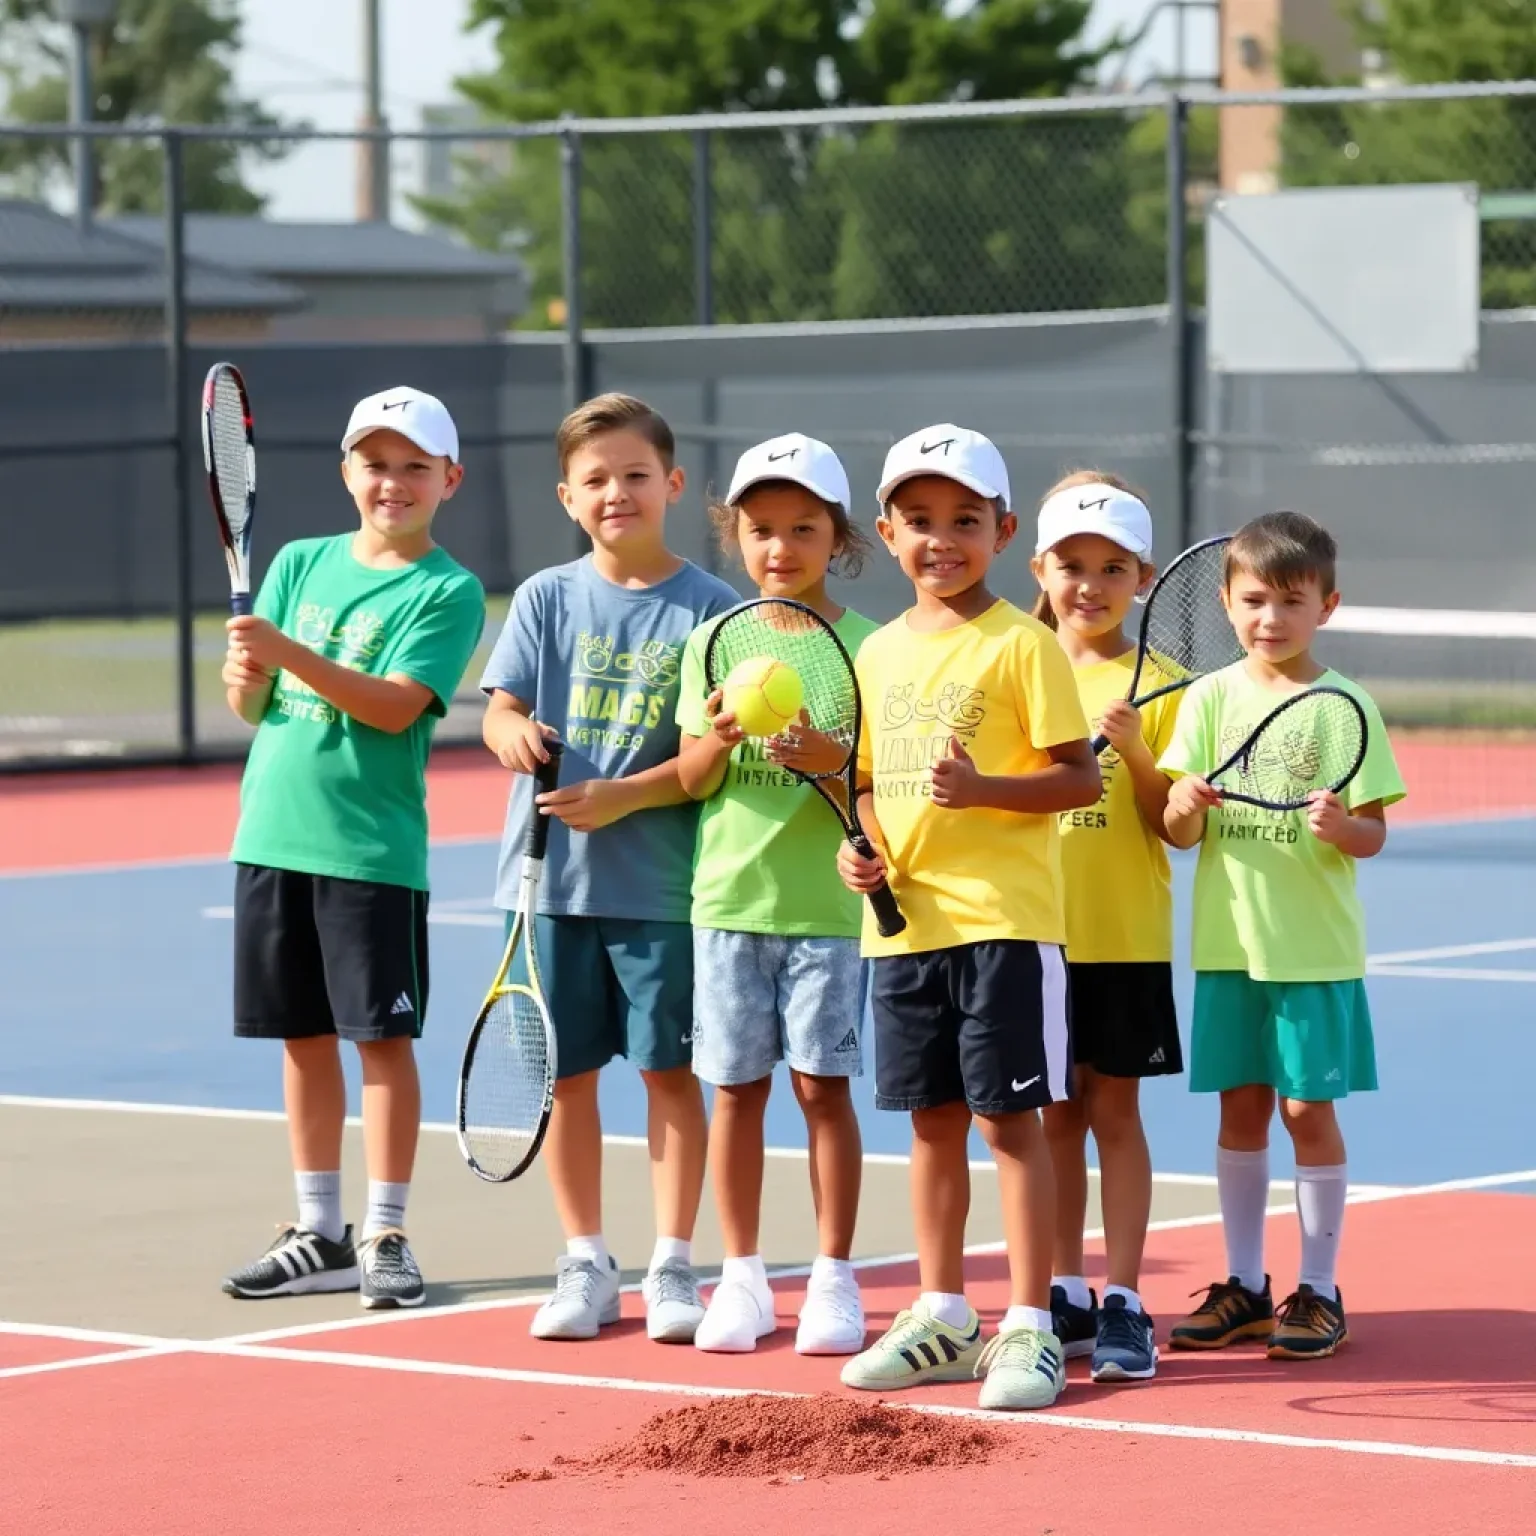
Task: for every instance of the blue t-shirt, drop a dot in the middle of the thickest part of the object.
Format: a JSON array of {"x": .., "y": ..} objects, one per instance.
[{"x": 600, "y": 663}]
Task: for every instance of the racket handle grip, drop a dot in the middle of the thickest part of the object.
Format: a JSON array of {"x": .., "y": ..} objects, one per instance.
[
  {"x": 545, "y": 777},
  {"x": 888, "y": 916},
  {"x": 1098, "y": 744},
  {"x": 240, "y": 604}
]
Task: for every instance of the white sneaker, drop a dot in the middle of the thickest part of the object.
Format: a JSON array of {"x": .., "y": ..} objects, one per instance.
[
  {"x": 673, "y": 1307},
  {"x": 585, "y": 1299},
  {"x": 831, "y": 1317},
  {"x": 734, "y": 1320}
]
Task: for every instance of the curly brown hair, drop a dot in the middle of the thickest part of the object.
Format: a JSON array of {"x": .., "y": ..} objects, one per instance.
[
  {"x": 850, "y": 544},
  {"x": 1068, "y": 482}
]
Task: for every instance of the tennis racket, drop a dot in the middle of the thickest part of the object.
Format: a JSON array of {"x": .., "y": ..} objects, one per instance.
[
  {"x": 229, "y": 456},
  {"x": 1185, "y": 632},
  {"x": 507, "y": 1080},
  {"x": 1314, "y": 740},
  {"x": 799, "y": 637}
]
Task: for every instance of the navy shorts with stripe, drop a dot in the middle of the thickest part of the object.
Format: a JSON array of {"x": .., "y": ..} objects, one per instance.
[{"x": 985, "y": 1024}]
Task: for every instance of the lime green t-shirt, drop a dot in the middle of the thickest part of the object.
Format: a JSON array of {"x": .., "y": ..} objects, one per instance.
[
  {"x": 324, "y": 794},
  {"x": 1270, "y": 899},
  {"x": 764, "y": 859}
]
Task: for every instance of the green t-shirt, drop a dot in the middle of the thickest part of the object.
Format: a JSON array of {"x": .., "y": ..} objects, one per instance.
[
  {"x": 322, "y": 793},
  {"x": 764, "y": 860},
  {"x": 1270, "y": 899}
]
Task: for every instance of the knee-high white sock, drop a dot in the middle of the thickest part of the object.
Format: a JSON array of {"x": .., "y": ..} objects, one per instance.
[
  {"x": 1320, "y": 1196},
  {"x": 1242, "y": 1184},
  {"x": 320, "y": 1203}
]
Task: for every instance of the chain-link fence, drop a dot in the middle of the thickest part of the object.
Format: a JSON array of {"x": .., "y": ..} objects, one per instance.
[{"x": 1035, "y": 268}]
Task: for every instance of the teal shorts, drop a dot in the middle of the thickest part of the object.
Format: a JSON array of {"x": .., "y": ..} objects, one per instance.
[
  {"x": 1308, "y": 1040},
  {"x": 615, "y": 987}
]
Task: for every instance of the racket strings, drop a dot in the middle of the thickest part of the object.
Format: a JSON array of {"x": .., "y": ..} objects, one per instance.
[
  {"x": 504, "y": 1093},
  {"x": 1314, "y": 744},
  {"x": 799, "y": 640},
  {"x": 230, "y": 448},
  {"x": 1188, "y": 632}
]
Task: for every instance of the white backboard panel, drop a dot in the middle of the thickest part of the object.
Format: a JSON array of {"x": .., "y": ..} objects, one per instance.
[{"x": 1344, "y": 280}]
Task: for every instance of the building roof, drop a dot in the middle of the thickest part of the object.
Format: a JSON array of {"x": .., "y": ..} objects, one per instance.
[
  {"x": 287, "y": 248},
  {"x": 48, "y": 262}
]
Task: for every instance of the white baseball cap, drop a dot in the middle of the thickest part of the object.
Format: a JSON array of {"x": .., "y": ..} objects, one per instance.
[
  {"x": 797, "y": 458},
  {"x": 421, "y": 417},
  {"x": 957, "y": 453},
  {"x": 1113, "y": 514}
]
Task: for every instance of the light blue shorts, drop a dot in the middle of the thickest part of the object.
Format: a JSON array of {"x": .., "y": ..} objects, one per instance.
[{"x": 760, "y": 998}]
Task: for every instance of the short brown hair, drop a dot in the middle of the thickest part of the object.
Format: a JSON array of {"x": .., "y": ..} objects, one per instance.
[
  {"x": 614, "y": 413},
  {"x": 1284, "y": 550},
  {"x": 852, "y": 542},
  {"x": 1070, "y": 482}
]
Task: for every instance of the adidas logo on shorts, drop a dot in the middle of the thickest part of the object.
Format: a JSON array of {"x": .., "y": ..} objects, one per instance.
[
  {"x": 403, "y": 1004},
  {"x": 1156, "y": 1059},
  {"x": 849, "y": 1042}
]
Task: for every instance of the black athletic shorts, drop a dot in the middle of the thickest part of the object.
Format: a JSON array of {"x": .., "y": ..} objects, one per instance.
[
  {"x": 986, "y": 1024},
  {"x": 319, "y": 956},
  {"x": 1124, "y": 1023}
]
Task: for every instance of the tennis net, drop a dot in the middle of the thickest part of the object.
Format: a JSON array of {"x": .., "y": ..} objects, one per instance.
[{"x": 1458, "y": 692}]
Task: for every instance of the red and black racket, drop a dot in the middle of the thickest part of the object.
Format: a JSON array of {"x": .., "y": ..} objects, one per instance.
[{"x": 229, "y": 456}]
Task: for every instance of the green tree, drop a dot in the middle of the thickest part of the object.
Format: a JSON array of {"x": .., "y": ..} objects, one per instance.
[
  {"x": 1489, "y": 142},
  {"x": 890, "y": 219},
  {"x": 160, "y": 61}
]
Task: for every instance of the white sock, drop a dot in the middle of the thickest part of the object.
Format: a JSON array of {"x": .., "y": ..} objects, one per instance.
[
  {"x": 825, "y": 1269},
  {"x": 946, "y": 1308},
  {"x": 1242, "y": 1185},
  {"x": 1132, "y": 1300},
  {"x": 1320, "y": 1196},
  {"x": 386, "y": 1207},
  {"x": 752, "y": 1273},
  {"x": 1076, "y": 1287},
  {"x": 320, "y": 1203},
  {"x": 593, "y": 1248},
  {"x": 1038, "y": 1318},
  {"x": 668, "y": 1248}
]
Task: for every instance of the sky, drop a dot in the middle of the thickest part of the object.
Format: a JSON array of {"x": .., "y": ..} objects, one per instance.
[{"x": 301, "y": 58}]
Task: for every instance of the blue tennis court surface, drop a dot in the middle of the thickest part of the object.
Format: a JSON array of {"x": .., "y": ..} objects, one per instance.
[{"x": 117, "y": 986}]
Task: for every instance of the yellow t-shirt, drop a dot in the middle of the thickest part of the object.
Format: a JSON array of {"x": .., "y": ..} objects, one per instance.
[
  {"x": 1003, "y": 685},
  {"x": 1115, "y": 867}
]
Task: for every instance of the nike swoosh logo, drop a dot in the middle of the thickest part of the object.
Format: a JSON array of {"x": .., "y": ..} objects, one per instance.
[
  {"x": 1083, "y": 506},
  {"x": 1019, "y": 1087},
  {"x": 394, "y": 405},
  {"x": 773, "y": 458},
  {"x": 943, "y": 442}
]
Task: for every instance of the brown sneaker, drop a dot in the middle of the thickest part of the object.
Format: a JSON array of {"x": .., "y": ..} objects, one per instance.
[
  {"x": 1228, "y": 1313},
  {"x": 1308, "y": 1326}
]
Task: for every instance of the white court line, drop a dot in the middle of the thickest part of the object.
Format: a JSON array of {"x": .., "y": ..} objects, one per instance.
[
  {"x": 1449, "y": 973},
  {"x": 1453, "y": 951},
  {"x": 445, "y": 919},
  {"x": 441, "y": 1128},
  {"x": 1046, "y": 1419},
  {"x": 51, "y": 1367},
  {"x": 83, "y": 1335}
]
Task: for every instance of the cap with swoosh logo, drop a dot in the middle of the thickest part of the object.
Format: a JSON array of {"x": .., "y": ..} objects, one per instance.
[
  {"x": 1113, "y": 514},
  {"x": 412, "y": 413},
  {"x": 797, "y": 458},
  {"x": 957, "y": 453}
]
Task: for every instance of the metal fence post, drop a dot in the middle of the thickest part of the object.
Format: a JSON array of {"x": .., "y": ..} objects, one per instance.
[
  {"x": 177, "y": 423},
  {"x": 704, "y": 307},
  {"x": 1179, "y": 324},
  {"x": 575, "y": 360}
]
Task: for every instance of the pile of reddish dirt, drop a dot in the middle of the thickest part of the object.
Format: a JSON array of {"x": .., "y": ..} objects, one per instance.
[{"x": 783, "y": 1438}]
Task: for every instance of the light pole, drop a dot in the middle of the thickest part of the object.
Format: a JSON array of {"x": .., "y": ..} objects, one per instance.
[
  {"x": 373, "y": 158},
  {"x": 82, "y": 17}
]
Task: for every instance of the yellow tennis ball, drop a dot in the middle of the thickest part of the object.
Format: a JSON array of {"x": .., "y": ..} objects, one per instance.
[{"x": 763, "y": 694}]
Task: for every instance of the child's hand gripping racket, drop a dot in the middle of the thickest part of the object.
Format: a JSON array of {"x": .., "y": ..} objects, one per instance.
[
  {"x": 507, "y": 1080},
  {"x": 1313, "y": 741},
  {"x": 799, "y": 638},
  {"x": 229, "y": 456},
  {"x": 1185, "y": 632}
]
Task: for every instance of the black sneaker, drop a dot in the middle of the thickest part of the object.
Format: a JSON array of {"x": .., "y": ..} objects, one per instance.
[
  {"x": 390, "y": 1276},
  {"x": 1125, "y": 1350},
  {"x": 1228, "y": 1315},
  {"x": 1308, "y": 1326},
  {"x": 1076, "y": 1328},
  {"x": 298, "y": 1263}
]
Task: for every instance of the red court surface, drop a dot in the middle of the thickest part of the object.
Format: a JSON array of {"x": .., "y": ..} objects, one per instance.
[
  {"x": 58, "y": 820},
  {"x": 1425, "y": 1422}
]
